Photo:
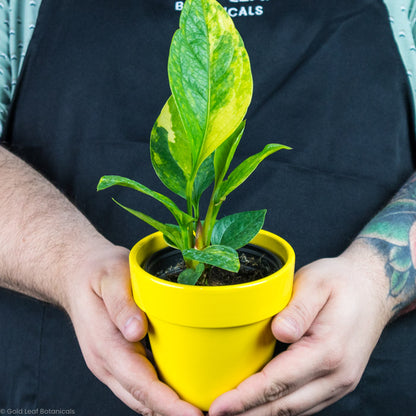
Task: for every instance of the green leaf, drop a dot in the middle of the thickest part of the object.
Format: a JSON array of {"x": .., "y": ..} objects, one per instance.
[
  {"x": 191, "y": 276},
  {"x": 398, "y": 281},
  {"x": 225, "y": 153},
  {"x": 239, "y": 229},
  {"x": 203, "y": 179},
  {"x": 400, "y": 207},
  {"x": 168, "y": 231},
  {"x": 244, "y": 170},
  {"x": 170, "y": 150},
  {"x": 178, "y": 240},
  {"x": 112, "y": 180},
  {"x": 394, "y": 229},
  {"x": 209, "y": 75},
  {"x": 400, "y": 259},
  {"x": 220, "y": 256}
]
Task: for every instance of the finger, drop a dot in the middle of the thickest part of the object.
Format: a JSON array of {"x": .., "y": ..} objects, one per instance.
[
  {"x": 309, "y": 297},
  {"x": 127, "y": 398},
  {"x": 122, "y": 366},
  {"x": 278, "y": 379},
  {"x": 168, "y": 405},
  {"x": 318, "y": 408},
  {"x": 310, "y": 398},
  {"x": 135, "y": 382},
  {"x": 115, "y": 291}
]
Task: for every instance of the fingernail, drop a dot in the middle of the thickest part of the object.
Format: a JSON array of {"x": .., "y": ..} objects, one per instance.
[
  {"x": 132, "y": 327},
  {"x": 288, "y": 325}
]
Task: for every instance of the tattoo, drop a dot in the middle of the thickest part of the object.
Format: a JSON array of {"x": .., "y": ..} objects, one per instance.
[{"x": 393, "y": 233}]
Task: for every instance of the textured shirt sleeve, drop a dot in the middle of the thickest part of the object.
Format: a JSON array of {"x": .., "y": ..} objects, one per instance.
[
  {"x": 402, "y": 19},
  {"x": 5, "y": 67},
  {"x": 17, "y": 23}
]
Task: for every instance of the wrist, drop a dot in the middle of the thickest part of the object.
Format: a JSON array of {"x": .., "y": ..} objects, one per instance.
[
  {"x": 368, "y": 268},
  {"x": 97, "y": 261}
]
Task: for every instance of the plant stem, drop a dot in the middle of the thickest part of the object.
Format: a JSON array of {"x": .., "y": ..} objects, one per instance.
[
  {"x": 210, "y": 219},
  {"x": 189, "y": 188},
  {"x": 190, "y": 243}
]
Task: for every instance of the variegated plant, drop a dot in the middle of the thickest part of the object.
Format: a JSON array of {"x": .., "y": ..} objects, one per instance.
[{"x": 195, "y": 137}]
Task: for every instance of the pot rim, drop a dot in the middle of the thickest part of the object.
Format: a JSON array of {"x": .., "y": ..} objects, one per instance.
[
  {"x": 210, "y": 306},
  {"x": 288, "y": 258}
]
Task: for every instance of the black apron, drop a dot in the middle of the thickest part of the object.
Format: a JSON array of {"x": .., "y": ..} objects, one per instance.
[{"x": 329, "y": 82}]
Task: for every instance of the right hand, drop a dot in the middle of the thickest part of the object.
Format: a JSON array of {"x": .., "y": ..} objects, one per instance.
[
  {"x": 333, "y": 322},
  {"x": 109, "y": 327}
]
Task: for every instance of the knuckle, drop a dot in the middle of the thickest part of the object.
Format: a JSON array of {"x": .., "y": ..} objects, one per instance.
[
  {"x": 302, "y": 313},
  {"x": 349, "y": 382},
  {"x": 331, "y": 362},
  {"x": 116, "y": 297},
  {"x": 92, "y": 366},
  {"x": 282, "y": 410},
  {"x": 275, "y": 390},
  {"x": 333, "y": 359},
  {"x": 120, "y": 310},
  {"x": 285, "y": 412},
  {"x": 140, "y": 395},
  {"x": 96, "y": 365},
  {"x": 142, "y": 398}
]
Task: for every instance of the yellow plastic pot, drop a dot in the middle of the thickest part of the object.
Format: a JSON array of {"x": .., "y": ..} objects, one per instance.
[{"x": 206, "y": 340}]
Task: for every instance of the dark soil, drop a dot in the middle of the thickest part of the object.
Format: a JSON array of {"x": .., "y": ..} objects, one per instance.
[{"x": 254, "y": 265}]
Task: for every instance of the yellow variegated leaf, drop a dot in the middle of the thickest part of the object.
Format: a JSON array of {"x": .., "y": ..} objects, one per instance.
[
  {"x": 170, "y": 149},
  {"x": 210, "y": 76}
]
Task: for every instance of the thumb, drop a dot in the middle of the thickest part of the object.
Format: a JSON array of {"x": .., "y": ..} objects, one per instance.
[
  {"x": 118, "y": 299},
  {"x": 308, "y": 299}
]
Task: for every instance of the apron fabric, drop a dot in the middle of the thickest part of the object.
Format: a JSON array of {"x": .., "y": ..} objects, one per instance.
[{"x": 328, "y": 81}]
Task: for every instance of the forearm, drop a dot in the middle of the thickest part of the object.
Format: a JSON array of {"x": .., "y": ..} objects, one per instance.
[
  {"x": 43, "y": 236},
  {"x": 50, "y": 251},
  {"x": 392, "y": 233},
  {"x": 339, "y": 308}
]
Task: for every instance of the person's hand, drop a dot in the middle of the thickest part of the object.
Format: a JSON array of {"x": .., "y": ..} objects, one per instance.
[
  {"x": 334, "y": 320},
  {"x": 109, "y": 325}
]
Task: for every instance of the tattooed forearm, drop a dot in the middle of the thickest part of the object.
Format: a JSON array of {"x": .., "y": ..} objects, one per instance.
[{"x": 393, "y": 233}]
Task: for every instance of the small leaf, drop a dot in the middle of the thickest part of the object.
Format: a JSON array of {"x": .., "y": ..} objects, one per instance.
[
  {"x": 398, "y": 281},
  {"x": 400, "y": 259},
  {"x": 244, "y": 170},
  {"x": 225, "y": 153},
  {"x": 220, "y": 256},
  {"x": 191, "y": 276},
  {"x": 176, "y": 232},
  {"x": 112, "y": 180},
  {"x": 239, "y": 229},
  {"x": 168, "y": 231}
]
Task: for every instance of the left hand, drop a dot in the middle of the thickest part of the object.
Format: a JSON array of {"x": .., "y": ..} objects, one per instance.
[
  {"x": 109, "y": 326},
  {"x": 334, "y": 320}
]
